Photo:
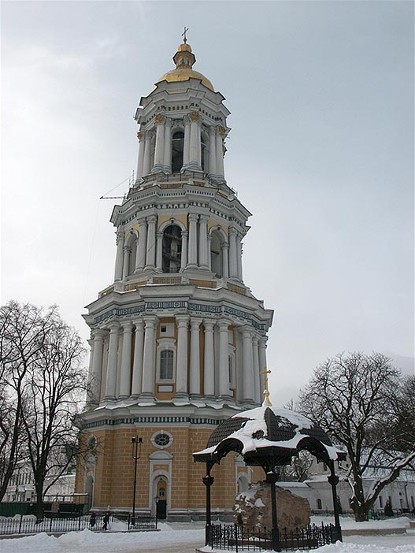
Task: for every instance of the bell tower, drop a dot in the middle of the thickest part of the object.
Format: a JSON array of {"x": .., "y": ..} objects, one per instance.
[{"x": 178, "y": 341}]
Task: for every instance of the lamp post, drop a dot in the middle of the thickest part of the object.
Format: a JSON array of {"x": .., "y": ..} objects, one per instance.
[{"x": 136, "y": 453}]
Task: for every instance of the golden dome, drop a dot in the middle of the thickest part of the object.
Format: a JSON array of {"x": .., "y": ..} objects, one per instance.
[{"x": 184, "y": 60}]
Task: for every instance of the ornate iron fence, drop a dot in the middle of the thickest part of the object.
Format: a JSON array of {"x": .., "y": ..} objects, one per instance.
[{"x": 231, "y": 537}]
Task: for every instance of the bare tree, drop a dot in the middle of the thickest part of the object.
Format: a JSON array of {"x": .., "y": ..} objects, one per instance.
[
  {"x": 353, "y": 398},
  {"x": 43, "y": 373}
]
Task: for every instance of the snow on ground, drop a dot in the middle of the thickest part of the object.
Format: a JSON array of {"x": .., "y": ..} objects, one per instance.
[{"x": 185, "y": 538}]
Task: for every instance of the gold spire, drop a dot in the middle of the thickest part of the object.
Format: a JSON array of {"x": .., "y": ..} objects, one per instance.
[{"x": 267, "y": 402}]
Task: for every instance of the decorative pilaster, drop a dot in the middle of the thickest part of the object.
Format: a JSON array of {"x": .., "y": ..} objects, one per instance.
[
  {"x": 203, "y": 242},
  {"x": 159, "y": 254},
  {"x": 195, "y": 144},
  {"x": 151, "y": 242},
  {"x": 95, "y": 375},
  {"x": 212, "y": 151},
  {"x": 192, "y": 261},
  {"x": 181, "y": 372},
  {"x": 140, "y": 163},
  {"x": 147, "y": 154},
  {"x": 195, "y": 357},
  {"x": 247, "y": 376},
  {"x": 224, "y": 359},
  {"x": 233, "y": 264},
  {"x": 183, "y": 262},
  {"x": 111, "y": 381},
  {"x": 125, "y": 373},
  {"x": 136, "y": 387},
  {"x": 239, "y": 255},
  {"x": 120, "y": 255},
  {"x": 225, "y": 259},
  {"x": 167, "y": 147},
  {"x": 148, "y": 357},
  {"x": 159, "y": 151},
  {"x": 186, "y": 143},
  {"x": 209, "y": 364},
  {"x": 141, "y": 247},
  {"x": 126, "y": 261}
]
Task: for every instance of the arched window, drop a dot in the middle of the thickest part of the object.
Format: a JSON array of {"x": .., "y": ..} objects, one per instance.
[
  {"x": 177, "y": 145},
  {"x": 166, "y": 364},
  {"x": 172, "y": 249},
  {"x": 132, "y": 254}
]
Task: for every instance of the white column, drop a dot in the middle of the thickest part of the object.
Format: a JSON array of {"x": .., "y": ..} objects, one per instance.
[
  {"x": 209, "y": 364},
  {"x": 167, "y": 146},
  {"x": 159, "y": 255},
  {"x": 125, "y": 366},
  {"x": 147, "y": 154},
  {"x": 247, "y": 377},
  {"x": 126, "y": 261},
  {"x": 233, "y": 264},
  {"x": 94, "y": 381},
  {"x": 181, "y": 355},
  {"x": 183, "y": 261},
  {"x": 120, "y": 255},
  {"x": 223, "y": 359},
  {"x": 262, "y": 361},
  {"x": 159, "y": 151},
  {"x": 192, "y": 260},
  {"x": 148, "y": 357},
  {"x": 125, "y": 374},
  {"x": 140, "y": 163},
  {"x": 219, "y": 151},
  {"x": 141, "y": 247},
  {"x": 225, "y": 259},
  {"x": 136, "y": 387},
  {"x": 203, "y": 242},
  {"x": 239, "y": 255},
  {"x": 195, "y": 145},
  {"x": 195, "y": 356},
  {"x": 186, "y": 144},
  {"x": 112, "y": 362},
  {"x": 151, "y": 242},
  {"x": 257, "y": 384},
  {"x": 212, "y": 151}
]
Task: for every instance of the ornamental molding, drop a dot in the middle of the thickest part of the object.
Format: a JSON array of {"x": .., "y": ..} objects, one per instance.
[{"x": 151, "y": 307}]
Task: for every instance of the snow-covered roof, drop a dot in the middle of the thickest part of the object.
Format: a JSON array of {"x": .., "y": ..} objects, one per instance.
[{"x": 265, "y": 427}]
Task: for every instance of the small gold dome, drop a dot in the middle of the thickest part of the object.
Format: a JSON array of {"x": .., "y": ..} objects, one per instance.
[{"x": 184, "y": 60}]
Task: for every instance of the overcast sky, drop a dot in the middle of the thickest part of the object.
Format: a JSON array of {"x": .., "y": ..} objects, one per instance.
[{"x": 321, "y": 152}]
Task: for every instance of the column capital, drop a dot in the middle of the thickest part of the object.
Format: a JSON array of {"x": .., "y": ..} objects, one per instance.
[
  {"x": 139, "y": 323},
  {"x": 159, "y": 119},
  {"x": 193, "y": 217},
  {"x": 98, "y": 333},
  {"x": 194, "y": 116},
  {"x": 140, "y": 136},
  {"x": 195, "y": 322},
  {"x": 185, "y": 234},
  {"x": 233, "y": 231},
  {"x": 119, "y": 236},
  {"x": 151, "y": 219},
  {"x": 209, "y": 324},
  {"x": 223, "y": 325},
  {"x": 127, "y": 325},
  {"x": 182, "y": 320},
  {"x": 150, "y": 320},
  {"x": 114, "y": 326},
  {"x": 203, "y": 218}
]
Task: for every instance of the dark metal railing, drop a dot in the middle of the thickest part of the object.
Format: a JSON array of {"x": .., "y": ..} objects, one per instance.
[
  {"x": 232, "y": 537},
  {"x": 24, "y": 524}
]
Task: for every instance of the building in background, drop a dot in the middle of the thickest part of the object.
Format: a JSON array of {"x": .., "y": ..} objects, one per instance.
[{"x": 178, "y": 341}]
